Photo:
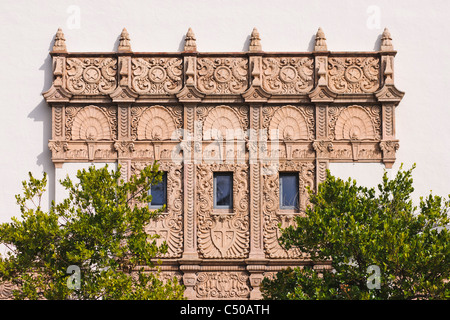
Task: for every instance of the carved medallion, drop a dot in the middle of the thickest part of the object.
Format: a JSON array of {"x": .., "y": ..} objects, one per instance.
[
  {"x": 90, "y": 76},
  {"x": 353, "y": 75},
  {"x": 222, "y": 75},
  {"x": 156, "y": 75},
  {"x": 287, "y": 75}
]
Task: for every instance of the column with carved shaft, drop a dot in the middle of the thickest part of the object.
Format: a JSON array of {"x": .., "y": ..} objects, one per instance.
[
  {"x": 124, "y": 97},
  {"x": 189, "y": 96},
  {"x": 321, "y": 96},
  {"x": 390, "y": 97},
  {"x": 255, "y": 96}
]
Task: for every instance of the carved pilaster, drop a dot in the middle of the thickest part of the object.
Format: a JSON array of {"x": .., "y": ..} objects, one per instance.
[
  {"x": 321, "y": 121},
  {"x": 388, "y": 121},
  {"x": 321, "y": 172},
  {"x": 256, "y": 238},
  {"x": 58, "y": 117},
  {"x": 190, "y": 220}
]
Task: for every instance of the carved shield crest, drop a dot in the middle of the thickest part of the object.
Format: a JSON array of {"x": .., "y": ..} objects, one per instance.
[{"x": 222, "y": 237}]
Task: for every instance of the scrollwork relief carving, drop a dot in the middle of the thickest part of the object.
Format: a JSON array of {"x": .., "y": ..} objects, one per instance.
[
  {"x": 220, "y": 285},
  {"x": 222, "y": 75},
  {"x": 157, "y": 75},
  {"x": 169, "y": 225},
  {"x": 287, "y": 75},
  {"x": 271, "y": 208},
  {"x": 223, "y": 235},
  {"x": 353, "y": 74},
  {"x": 89, "y": 76}
]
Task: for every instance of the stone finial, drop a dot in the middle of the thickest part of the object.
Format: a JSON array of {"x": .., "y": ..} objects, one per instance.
[
  {"x": 386, "y": 41},
  {"x": 255, "y": 44},
  {"x": 190, "y": 43},
  {"x": 321, "y": 44},
  {"x": 124, "y": 41},
  {"x": 60, "y": 42}
]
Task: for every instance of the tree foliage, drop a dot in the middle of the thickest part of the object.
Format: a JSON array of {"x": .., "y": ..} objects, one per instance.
[
  {"x": 99, "y": 228},
  {"x": 360, "y": 229}
]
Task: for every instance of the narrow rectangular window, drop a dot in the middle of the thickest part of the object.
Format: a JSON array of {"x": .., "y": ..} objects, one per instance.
[
  {"x": 289, "y": 197},
  {"x": 223, "y": 190},
  {"x": 159, "y": 193}
]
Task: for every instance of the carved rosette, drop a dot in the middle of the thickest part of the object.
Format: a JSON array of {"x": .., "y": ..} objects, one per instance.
[
  {"x": 169, "y": 224},
  {"x": 223, "y": 235},
  {"x": 222, "y": 75},
  {"x": 287, "y": 75},
  {"x": 222, "y": 285},
  {"x": 157, "y": 75},
  {"x": 91, "y": 76},
  {"x": 355, "y": 123},
  {"x": 273, "y": 216},
  {"x": 354, "y": 75}
]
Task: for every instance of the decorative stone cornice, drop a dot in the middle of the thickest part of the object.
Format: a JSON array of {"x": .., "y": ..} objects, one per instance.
[{"x": 319, "y": 76}]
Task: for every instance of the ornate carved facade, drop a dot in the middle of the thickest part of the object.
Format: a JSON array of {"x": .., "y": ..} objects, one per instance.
[{"x": 253, "y": 114}]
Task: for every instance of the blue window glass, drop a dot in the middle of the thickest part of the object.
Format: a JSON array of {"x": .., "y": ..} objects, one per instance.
[
  {"x": 223, "y": 190},
  {"x": 159, "y": 193},
  {"x": 289, "y": 190}
]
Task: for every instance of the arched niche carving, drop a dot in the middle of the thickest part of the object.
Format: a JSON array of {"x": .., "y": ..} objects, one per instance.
[
  {"x": 354, "y": 123},
  {"x": 288, "y": 123},
  {"x": 155, "y": 123},
  {"x": 90, "y": 123},
  {"x": 222, "y": 123}
]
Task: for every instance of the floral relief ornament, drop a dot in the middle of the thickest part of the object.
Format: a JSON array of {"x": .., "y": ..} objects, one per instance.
[
  {"x": 222, "y": 75},
  {"x": 353, "y": 75},
  {"x": 157, "y": 75},
  {"x": 288, "y": 75},
  {"x": 91, "y": 75}
]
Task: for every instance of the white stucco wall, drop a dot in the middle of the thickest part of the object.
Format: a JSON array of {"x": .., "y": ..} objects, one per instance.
[{"x": 420, "y": 31}]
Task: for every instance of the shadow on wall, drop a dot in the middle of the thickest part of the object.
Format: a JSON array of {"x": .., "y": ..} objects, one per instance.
[
  {"x": 43, "y": 113},
  {"x": 377, "y": 45}
]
